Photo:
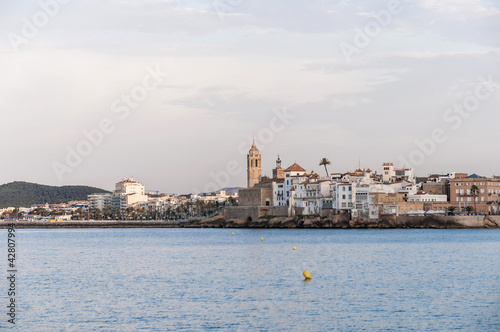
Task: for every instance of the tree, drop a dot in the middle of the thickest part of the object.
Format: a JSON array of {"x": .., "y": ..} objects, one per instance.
[
  {"x": 469, "y": 209},
  {"x": 79, "y": 213},
  {"x": 474, "y": 190},
  {"x": 451, "y": 209},
  {"x": 325, "y": 162}
]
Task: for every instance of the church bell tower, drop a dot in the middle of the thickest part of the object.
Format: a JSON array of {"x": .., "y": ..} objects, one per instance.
[{"x": 254, "y": 167}]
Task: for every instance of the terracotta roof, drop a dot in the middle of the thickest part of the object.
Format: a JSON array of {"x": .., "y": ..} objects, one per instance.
[{"x": 295, "y": 168}]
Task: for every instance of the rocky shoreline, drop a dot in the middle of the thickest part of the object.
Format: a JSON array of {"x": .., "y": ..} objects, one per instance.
[{"x": 330, "y": 222}]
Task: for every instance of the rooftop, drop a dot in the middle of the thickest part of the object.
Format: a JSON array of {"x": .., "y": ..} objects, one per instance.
[{"x": 295, "y": 168}]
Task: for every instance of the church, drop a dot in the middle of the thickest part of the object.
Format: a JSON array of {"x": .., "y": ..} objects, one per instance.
[{"x": 277, "y": 191}]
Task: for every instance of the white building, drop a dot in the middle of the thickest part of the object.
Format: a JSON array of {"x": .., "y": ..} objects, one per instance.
[
  {"x": 312, "y": 195},
  {"x": 293, "y": 176},
  {"x": 129, "y": 186},
  {"x": 427, "y": 198},
  {"x": 391, "y": 174},
  {"x": 99, "y": 201},
  {"x": 128, "y": 192}
]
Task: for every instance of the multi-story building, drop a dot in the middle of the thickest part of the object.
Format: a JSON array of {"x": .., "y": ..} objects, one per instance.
[
  {"x": 485, "y": 201},
  {"x": 313, "y": 194},
  {"x": 128, "y": 192},
  {"x": 294, "y": 175},
  {"x": 391, "y": 174},
  {"x": 129, "y": 186},
  {"x": 99, "y": 201}
]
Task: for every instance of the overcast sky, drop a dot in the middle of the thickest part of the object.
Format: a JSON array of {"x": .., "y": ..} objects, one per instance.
[{"x": 353, "y": 81}]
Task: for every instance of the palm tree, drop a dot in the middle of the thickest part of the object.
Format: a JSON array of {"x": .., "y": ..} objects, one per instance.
[
  {"x": 451, "y": 209},
  {"x": 474, "y": 190},
  {"x": 469, "y": 209},
  {"x": 324, "y": 162}
]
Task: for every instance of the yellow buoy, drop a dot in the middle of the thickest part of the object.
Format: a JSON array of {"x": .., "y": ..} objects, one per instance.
[
  {"x": 262, "y": 239},
  {"x": 232, "y": 233},
  {"x": 294, "y": 248},
  {"x": 195, "y": 231},
  {"x": 307, "y": 274}
]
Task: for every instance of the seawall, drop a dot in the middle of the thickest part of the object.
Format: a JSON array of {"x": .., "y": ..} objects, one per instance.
[{"x": 332, "y": 221}]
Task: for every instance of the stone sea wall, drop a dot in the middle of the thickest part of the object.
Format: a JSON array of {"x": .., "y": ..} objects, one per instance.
[{"x": 332, "y": 221}]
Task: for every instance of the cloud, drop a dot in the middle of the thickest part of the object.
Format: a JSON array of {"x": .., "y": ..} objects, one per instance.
[{"x": 228, "y": 73}]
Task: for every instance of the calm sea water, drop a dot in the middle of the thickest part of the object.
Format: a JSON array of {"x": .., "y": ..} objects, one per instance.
[{"x": 181, "y": 280}]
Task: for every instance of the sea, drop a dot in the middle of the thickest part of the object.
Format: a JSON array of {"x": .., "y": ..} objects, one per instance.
[{"x": 252, "y": 280}]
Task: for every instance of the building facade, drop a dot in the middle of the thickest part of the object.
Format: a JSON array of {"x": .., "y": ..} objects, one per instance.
[
  {"x": 485, "y": 201},
  {"x": 99, "y": 201}
]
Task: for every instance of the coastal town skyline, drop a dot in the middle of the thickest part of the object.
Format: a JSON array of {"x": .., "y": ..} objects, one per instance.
[
  {"x": 289, "y": 191},
  {"x": 219, "y": 180},
  {"x": 172, "y": 103}
]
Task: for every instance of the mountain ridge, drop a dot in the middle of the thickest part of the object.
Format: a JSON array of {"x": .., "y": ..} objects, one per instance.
[{"x": 25, "y": 194}]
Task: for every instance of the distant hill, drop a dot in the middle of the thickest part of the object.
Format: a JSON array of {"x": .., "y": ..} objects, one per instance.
[{"x": 25, "y": 194}]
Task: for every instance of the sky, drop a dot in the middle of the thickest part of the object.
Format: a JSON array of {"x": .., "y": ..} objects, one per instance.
[{"x": 172, "y": 92}]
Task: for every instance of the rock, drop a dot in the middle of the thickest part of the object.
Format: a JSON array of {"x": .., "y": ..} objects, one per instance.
[
  {"x": 490, "y": 222},
  {"x": 327, "y": 223},
  {"x": 307, "y": 223},
  {"x": 235, "y": 223},
  {"x": 259, "y": 223},
  {"x": 215, "y": 222},
  {"x": 289, "y": 222}
]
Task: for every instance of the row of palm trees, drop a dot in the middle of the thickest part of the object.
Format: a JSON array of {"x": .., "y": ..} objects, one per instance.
[
  {"x": 180, "y": 212},
  {"x": 187, "y": 209}
]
